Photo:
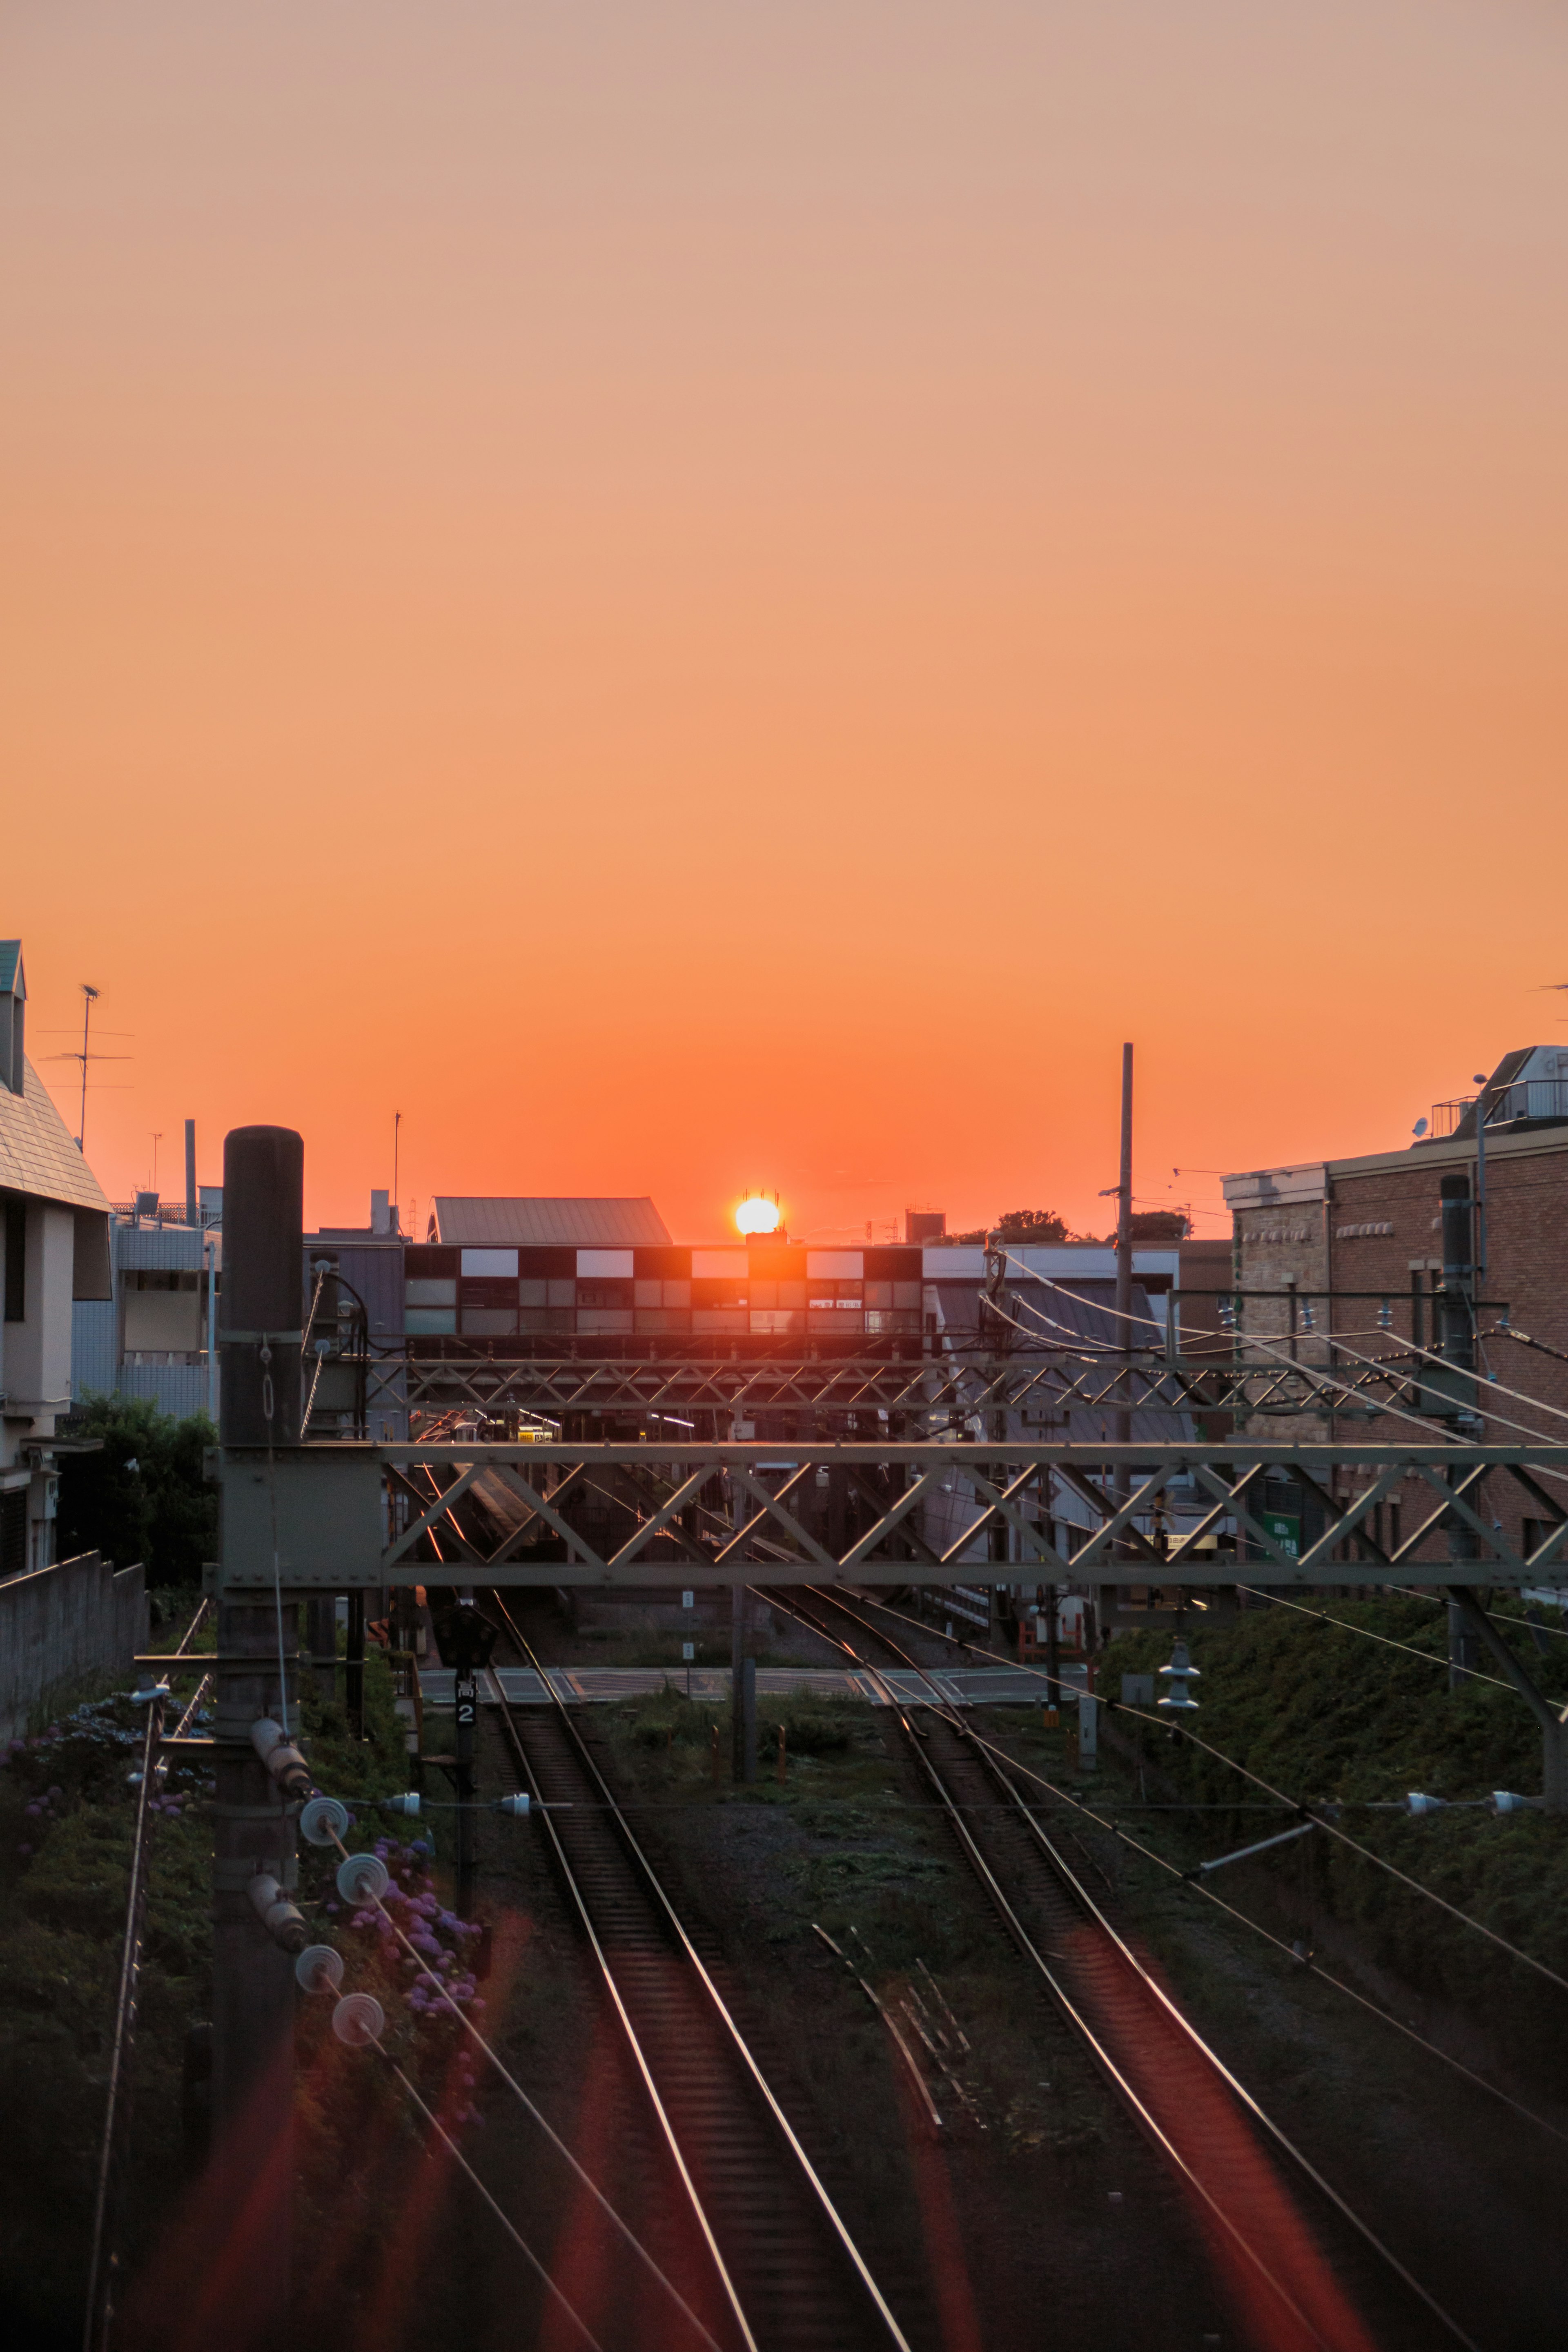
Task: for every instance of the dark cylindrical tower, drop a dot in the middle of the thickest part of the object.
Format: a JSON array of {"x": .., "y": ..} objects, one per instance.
[
  {"x": 257, "y": 1678},
  {"x": 263, "y": 1285}
]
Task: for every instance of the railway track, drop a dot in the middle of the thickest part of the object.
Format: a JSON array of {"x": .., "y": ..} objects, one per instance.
[
  {"x": 1201, "y": 2120},
  {"x": 775, "y": 2267}
]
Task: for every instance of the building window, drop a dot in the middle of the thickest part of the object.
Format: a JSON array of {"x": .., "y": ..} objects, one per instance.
[{"x": 16, "y": 1258}]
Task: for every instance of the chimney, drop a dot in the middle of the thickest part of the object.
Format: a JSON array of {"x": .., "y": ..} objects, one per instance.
[
  {"x": 13, "y": 1016},
  {"x": 380, "y": 1212}
]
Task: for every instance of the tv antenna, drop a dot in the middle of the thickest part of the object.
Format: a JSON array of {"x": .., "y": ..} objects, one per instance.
[{"x": 86, "y": 1057}]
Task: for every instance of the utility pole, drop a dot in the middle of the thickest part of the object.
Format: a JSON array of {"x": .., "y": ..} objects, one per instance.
[
  {"x": 253, "y": 1829},
  {"x": 1480, "y": 1249},
  {"x": 996, "y": 1334},
  {"x": 1053, "y": 1649},
  {"x": 1458, "y": 1343},
  {"x": 193, "y": 1205},
  {"x": 1122, "y": 1485},
  {"x": 742, "y": 1694}
]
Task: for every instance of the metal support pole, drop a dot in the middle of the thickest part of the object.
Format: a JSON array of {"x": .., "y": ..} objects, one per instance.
[
  {"x": 253, "y": 1832},
  {"x": 1467, "y": 1605},
  {"x": 1123, "y": 1423},
  {"x": 193, "y": 1203},
  {"x": 748, "y": 1720},
  {"x": 1053, "y": 1649},
  {"x": 353, "y": 1664},
  {"x": 322, "y": 1641},
  {"x": 737, "y": 1678},
  {"x": 1459, "y": 1350},
  {"x": 468, "y": 1711}
]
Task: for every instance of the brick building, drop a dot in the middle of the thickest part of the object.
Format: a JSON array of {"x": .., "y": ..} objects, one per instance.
[{"x": 1351, "y": 1252}]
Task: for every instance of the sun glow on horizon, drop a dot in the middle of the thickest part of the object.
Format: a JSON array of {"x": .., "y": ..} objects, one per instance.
[{"x": 757, "y": 1215}]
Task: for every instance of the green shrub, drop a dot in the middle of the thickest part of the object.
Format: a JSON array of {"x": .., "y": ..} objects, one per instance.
[{"x": 162, "y": 1512}]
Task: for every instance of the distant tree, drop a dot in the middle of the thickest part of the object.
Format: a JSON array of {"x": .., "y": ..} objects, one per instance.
[
  {"x": 1042, "y": 1226},
  {"x": 142, "y": 1497},
  {"x": 1160, "y": 1225}
]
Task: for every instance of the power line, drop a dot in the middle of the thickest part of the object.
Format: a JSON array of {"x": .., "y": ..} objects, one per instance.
[
  {"x": 521, "y": 2095},
  {"x": 1198, "y": 1887},
  {"x": 1355, "y": 1845},
  {"x": 453, "y": 2150},
  {"x": 1314, "y": 1371},
  {"x": 1162, "y": 1723},
  {"x": 1367, "y": 1634}
]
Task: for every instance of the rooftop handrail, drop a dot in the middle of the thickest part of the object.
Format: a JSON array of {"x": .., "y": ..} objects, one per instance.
[{"x": 1523, "y": 1098}]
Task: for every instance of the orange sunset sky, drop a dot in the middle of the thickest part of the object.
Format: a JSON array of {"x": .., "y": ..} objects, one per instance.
[{"x": 737, "y": 590}]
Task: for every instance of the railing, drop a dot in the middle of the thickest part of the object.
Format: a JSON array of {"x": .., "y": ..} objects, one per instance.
[
  {"x": 1526, "y": 1098},
  {"x": 168, "y": 1212}
]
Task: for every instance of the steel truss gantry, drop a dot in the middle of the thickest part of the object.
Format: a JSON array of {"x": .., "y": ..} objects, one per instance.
[
  {"x": 1039, "y": 1382},
  {"x": 318, "y": 1516}
]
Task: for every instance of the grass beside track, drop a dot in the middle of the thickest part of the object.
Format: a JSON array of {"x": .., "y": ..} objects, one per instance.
[
  {"x": 1320, "y": 1712},
  {"x": 67, "y": 1816}
]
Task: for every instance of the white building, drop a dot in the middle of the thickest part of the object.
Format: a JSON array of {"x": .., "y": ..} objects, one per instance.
[{"x": 54, "y": 1249}]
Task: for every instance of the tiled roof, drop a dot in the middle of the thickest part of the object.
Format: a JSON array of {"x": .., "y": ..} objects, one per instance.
[
  {"x": 542, "y": 1224},
  {"x": 37, "y": 1155}
]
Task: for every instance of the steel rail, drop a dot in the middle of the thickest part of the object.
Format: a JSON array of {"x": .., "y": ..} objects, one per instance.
[
  {"x": 1081, "y": 1897},
  {"x": 1102, "y": 2056},
  {"x": 639, "y": 2060},
  {"x": 612, "y": 1820}
]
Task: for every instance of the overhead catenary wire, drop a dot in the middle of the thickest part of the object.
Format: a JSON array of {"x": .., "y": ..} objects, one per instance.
[
  {"x": 1489, "y": 1380},
  {"x": 97, "y": 2310},
  {"x": 456, "y": 2153},
  {"x": 1528, "y": 1624},
  {"x": 1334, "y": 1830},
  {"x": 1367, "y": 1634},
  {"x": 552, "y": 2135},
  {"x": 1198, "y": 1887},
  {"x": 1164, "y": 1723},
  {"x": 1081, "y": 1893},
  {"x": 1318, "y": 1372},
  {"x": 1511, "y": 1331}
]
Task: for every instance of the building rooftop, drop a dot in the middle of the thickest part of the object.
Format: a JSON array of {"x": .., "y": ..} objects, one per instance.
[
  {"x": 537, "y": 1221},
  {"x": 37, "y": 1151}
]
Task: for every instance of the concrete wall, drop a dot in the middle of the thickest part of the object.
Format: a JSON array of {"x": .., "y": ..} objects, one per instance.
[{"x": 57, "y": 1624}]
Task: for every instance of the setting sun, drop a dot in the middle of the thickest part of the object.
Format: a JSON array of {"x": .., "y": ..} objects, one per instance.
[{"x": 757, "y": 1215}]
